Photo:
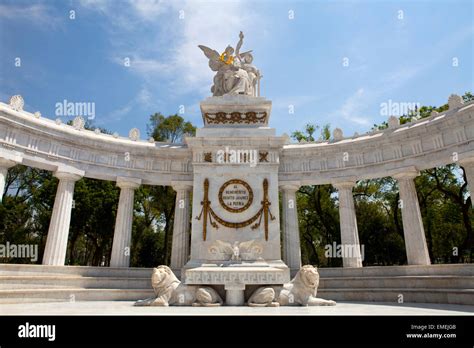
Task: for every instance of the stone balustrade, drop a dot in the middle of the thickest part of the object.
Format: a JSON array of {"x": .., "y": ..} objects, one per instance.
[{"x": 427, "y": 143}]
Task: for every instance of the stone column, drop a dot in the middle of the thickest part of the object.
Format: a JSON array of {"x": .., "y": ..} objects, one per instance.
[
  {"x": 4, "y": 165},
  {"x": 56, "y": 242},
  {"x": 348, "y": 221},
  {"x": 291, "y": 233},
  {"x": 180, "y": 243},
  {"x": 468, "y": 165},
  {"x": 415, "y": 240},
  {"x": 234, "y": 294},
  {"x": 123, "y": 223}
]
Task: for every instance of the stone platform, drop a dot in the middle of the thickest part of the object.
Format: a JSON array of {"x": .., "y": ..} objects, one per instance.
[
  {"x": 127, "y": 308},
  {"x": 235, "y": 277}
]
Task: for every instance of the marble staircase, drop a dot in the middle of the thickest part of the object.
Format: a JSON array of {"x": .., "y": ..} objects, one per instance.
[
  {"x": 449, "y": 284},
  {"x": 37, "y": 283}
]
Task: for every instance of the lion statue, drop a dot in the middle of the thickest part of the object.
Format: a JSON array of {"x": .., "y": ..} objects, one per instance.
[
  {"x": 170, "y": 291},
  {"x": 300, "y": 291}
]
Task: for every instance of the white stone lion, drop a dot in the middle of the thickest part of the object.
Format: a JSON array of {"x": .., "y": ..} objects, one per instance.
[
  {"x": 170, "y": 291},
  {"x": 300, "y": 291}
]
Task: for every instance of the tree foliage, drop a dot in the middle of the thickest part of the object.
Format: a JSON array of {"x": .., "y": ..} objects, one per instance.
[{"x": 169, "y": 129}]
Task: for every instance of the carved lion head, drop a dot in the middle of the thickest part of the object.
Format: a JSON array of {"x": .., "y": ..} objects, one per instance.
[
  {"x": 309, "y": 276},
  {"x": 160, "y": 279}
]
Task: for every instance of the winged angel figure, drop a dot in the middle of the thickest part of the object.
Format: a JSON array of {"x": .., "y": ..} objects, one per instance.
[
  {"x": 249, "y": 250},
  {"x": 235, "y": 74}
]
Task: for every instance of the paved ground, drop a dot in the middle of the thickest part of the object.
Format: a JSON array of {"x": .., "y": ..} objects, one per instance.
[{"x": 127, "y": 308}]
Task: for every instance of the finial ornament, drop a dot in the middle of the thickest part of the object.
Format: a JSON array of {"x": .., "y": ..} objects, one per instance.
[
  {"x": 17, "y": 103},
  {"x": 78, "y": 123},
  {"x": 134, "y": 134}
]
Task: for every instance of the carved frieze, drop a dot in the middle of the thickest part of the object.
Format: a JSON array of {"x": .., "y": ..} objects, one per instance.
[{"x": 236, "y": 117}]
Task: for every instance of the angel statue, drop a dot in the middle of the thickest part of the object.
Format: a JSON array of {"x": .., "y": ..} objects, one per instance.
[{"x": 235, "y": 74}]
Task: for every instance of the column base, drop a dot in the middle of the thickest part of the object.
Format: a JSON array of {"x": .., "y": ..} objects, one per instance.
[{"x": 351, "y": 262}]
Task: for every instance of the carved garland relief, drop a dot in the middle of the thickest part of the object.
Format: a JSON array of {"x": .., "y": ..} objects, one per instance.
[{"x": 208, "y": 213}]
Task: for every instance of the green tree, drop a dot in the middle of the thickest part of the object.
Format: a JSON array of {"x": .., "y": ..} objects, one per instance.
[{"x": 170, "y": 129}]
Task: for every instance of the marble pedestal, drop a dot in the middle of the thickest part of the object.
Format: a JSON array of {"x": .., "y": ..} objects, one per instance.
[{"x": 235, "y": 276}]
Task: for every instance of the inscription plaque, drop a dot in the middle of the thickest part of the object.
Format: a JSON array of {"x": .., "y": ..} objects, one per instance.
[{"x": 235, "y": 196}]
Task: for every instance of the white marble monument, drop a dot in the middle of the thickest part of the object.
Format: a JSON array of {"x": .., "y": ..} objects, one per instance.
[
  {"x": 235, "y": 239},
  {"x": 234, "y": 170}
]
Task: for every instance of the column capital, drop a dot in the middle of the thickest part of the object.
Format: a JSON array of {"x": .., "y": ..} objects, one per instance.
[
  {"x": 68, "y": 173},
  {"x": 406, "y": 174},
  {"x": 182, "y": 185},
  {"x": 132, "y": 183},
  {"x": 346, "y": 184},
  {"x": 291, "y": 186}
]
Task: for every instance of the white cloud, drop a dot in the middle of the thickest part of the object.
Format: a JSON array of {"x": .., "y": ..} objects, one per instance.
[
  {"x": 211, "y": 25},
  {"x": 38, "y": 14},
  {"x": 169, "y": 50},
  {"x": 119, "y": 113},
  {"x": 352, "y": 107},
  {"x": 149, "y": 9},
  {"x": 145, "y": 67},
  {"x": 99, "y": 5},
  {"x": 143, "y": 99}
]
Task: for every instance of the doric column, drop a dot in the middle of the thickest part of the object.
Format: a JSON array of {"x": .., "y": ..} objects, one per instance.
[
  {"x": 291, "y": 233},
  {"x": 56, "y": 242},
  {"x": 4, "y": 165},
  {"x": 180, "y": 243},
  {"x": 415, "y": 240},
  {"x": 123, "y": 223},
  {"x": 348, "y": 222},
  {"x": 468, "y": 165}
]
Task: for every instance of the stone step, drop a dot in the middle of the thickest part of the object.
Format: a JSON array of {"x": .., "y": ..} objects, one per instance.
[
  {"x": 66, "y": 281},
  {"x": 373, "y": 271},
  {"x": 432, "y": 284},
  {"x": 85, "y": 271},
  {"x": 432, "y": 281},
  {"x": 420, "y": 295},
  {"x": 73, "y": 294},
  {"x": 462, "y": 269}
]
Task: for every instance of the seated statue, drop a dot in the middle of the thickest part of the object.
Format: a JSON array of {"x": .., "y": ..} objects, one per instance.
[
  {"x": 170, "y": 291},
  {"x": 235, "y": 73},
  {"x": 301, "y": 291}
]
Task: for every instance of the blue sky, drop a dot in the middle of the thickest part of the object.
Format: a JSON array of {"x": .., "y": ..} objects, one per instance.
[{"x": 401, "y": 51}]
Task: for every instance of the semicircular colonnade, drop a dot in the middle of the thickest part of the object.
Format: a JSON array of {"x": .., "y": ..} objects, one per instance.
[{"x": 400, "y": 151}]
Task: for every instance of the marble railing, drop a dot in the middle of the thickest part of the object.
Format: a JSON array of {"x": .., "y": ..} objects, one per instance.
[
  {"x": 438, "y": 140},
  {"x": 46, "y": 144},
  {"x": 426, "y": 143}
]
